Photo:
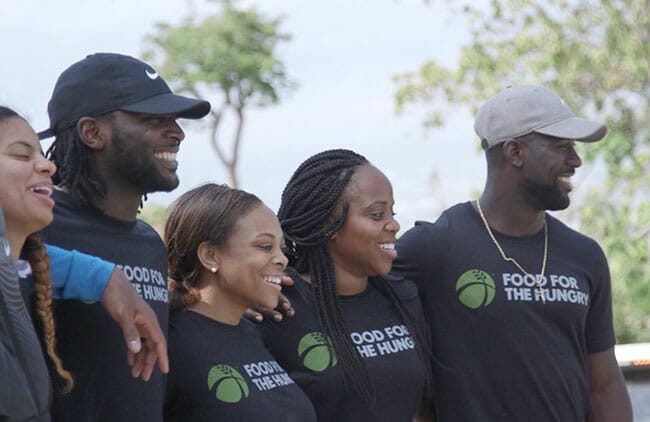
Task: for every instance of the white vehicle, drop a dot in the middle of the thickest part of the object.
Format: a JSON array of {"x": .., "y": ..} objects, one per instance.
[{"x": 634, "y": 360}]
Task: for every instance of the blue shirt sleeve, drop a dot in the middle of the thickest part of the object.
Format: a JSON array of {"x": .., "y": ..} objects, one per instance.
[{"x": 76, "y": 275}]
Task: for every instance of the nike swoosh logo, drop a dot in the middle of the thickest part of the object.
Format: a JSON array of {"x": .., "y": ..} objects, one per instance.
[{"x": 151, "y": 75}]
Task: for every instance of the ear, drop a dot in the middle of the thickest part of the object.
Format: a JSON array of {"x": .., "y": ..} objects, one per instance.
[
  {"x": 209, "y": 256},
  {"x": 93, "y": 132},
  {"x": 513, "y": 152}
]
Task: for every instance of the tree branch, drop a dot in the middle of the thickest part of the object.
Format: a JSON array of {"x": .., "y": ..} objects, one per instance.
[{"x": 237, "y": 142}]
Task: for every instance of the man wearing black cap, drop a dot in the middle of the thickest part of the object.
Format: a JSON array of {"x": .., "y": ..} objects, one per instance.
[
  {"x": 114, "y": 119},
  {"x": 519, "y": 303}
]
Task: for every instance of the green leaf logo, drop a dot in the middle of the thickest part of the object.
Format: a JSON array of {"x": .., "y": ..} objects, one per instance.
[
  {"x": 231, "y": 386},
  {"x": 475, "y": 288},
  {"x": 316, "y": 352}
]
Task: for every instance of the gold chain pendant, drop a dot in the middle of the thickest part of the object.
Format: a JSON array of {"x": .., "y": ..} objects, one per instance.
[{"x": 540, "y": 291}]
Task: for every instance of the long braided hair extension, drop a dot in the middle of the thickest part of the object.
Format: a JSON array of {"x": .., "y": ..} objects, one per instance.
[
  {"x": 306, "y": 215},
  {"x": 36, "y": 253},
  {"x": 76, "y": 167}
]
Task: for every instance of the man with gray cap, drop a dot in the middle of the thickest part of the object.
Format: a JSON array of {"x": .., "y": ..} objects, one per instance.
[
  {"x": 519, "y": 304},
  {"x": 114, "y": 119}
]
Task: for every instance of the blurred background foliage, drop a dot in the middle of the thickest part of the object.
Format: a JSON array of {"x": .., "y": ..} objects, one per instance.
[
  {"x": 229, "y": 58},
  {"x": 596, "y": 54}
]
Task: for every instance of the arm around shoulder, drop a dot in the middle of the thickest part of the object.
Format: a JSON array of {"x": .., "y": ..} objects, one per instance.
[
  {"x": 417, "y": 253},
  {"x": 80, "y": 276},
  {"x": 76, "y": 275}
]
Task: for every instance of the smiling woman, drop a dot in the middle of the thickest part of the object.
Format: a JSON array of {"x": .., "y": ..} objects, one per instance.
[
  {"x": 26, "y": 208},
  {"x": 225, "y": 255},
  {"x": 354, "y": 323},
  {"x": 25, "y": 198},
  {"x": 26, "y": 176}
]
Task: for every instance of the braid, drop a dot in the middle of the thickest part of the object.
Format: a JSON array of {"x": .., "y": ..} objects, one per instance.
[
  {"x": 310, "y": 198},
  {"x": 36, "y": 254},
  {"x": 183, "y": 265},
  {"x": 181, "y": 294},
  {"x": 306, "y": 214},
  {"x": 77, "y": 170},
  {"x": 422, "y": 345}
]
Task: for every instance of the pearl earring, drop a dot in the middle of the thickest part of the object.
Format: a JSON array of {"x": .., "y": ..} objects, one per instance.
[{"x": 213, "y": 269}]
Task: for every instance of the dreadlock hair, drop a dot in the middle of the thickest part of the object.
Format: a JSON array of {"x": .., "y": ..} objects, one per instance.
[
  {"x": 207, "y": 213},
  {"x": 36, "y": 254},
  {"x": 76, "y": 168},
  {"x": 308, "y": 218}
]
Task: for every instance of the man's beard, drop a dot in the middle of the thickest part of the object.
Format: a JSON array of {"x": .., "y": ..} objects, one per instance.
[
  {"x": 545, "y": 196},
  {"x": 133, "y": 163}
]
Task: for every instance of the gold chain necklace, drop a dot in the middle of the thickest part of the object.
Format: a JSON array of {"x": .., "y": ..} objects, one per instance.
[{"x": 538, "y": 280}]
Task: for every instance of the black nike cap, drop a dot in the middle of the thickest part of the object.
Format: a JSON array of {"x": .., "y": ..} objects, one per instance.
[{"x": 105, "y": 82}]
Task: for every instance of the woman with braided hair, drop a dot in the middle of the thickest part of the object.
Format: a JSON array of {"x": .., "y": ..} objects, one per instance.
[
  {"x": 26, "y": 208},
  {"x": 356, "y": 345},
  {"x": 225, "y": 255}
]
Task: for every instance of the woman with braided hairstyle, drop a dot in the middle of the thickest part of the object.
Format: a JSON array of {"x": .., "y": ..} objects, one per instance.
[
  {"x": 26, "y": 207},
  {"x": 356, "y": 345}
]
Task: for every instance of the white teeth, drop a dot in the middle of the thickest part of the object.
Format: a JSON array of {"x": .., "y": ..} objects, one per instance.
[
  {"x": 43, "y": 190},
  {"x": 387, "y": 246},
  {"x": 165, "y": 156},
  {"x": 273, "y": 279}
]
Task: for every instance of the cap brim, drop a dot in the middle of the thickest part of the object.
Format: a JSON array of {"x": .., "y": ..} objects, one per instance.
[
  {"x": 582, "y": 130},
  {"x": 44, "y": 134},
  {"x": 187, "y": 108}
]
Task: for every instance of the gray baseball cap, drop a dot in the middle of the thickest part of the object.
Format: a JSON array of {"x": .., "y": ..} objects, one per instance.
[{"x": 520, "y": 110}]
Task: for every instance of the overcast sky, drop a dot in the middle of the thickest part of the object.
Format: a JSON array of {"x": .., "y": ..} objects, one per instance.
[{"x": 343, "y": 54}]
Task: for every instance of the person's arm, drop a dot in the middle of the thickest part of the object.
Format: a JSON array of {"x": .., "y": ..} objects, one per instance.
[
  {"x": 421, "y": 252},
  {"x": 76, "y": 275},
  {"x": 425, "y": 412},
  {"x": 411, "y": 255},
  {"x": 144, "y": 339},
  {"x": 284, "y": 307},
  {"x": 608, "y": 397}
]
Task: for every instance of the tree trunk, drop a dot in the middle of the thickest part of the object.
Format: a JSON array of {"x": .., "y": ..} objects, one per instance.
[
  {"x": 229, "y": 164},
  {"x": 232, "y": 175},
  {"x": 232, "y": 166}
]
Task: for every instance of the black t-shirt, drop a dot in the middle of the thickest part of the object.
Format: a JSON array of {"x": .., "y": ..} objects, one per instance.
[
  {"x": 89, "y": 341},
  {"x": 503, "y": 354},
  {"x": 388, "y": 350},
  {"x": 224, "y": 373}
]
